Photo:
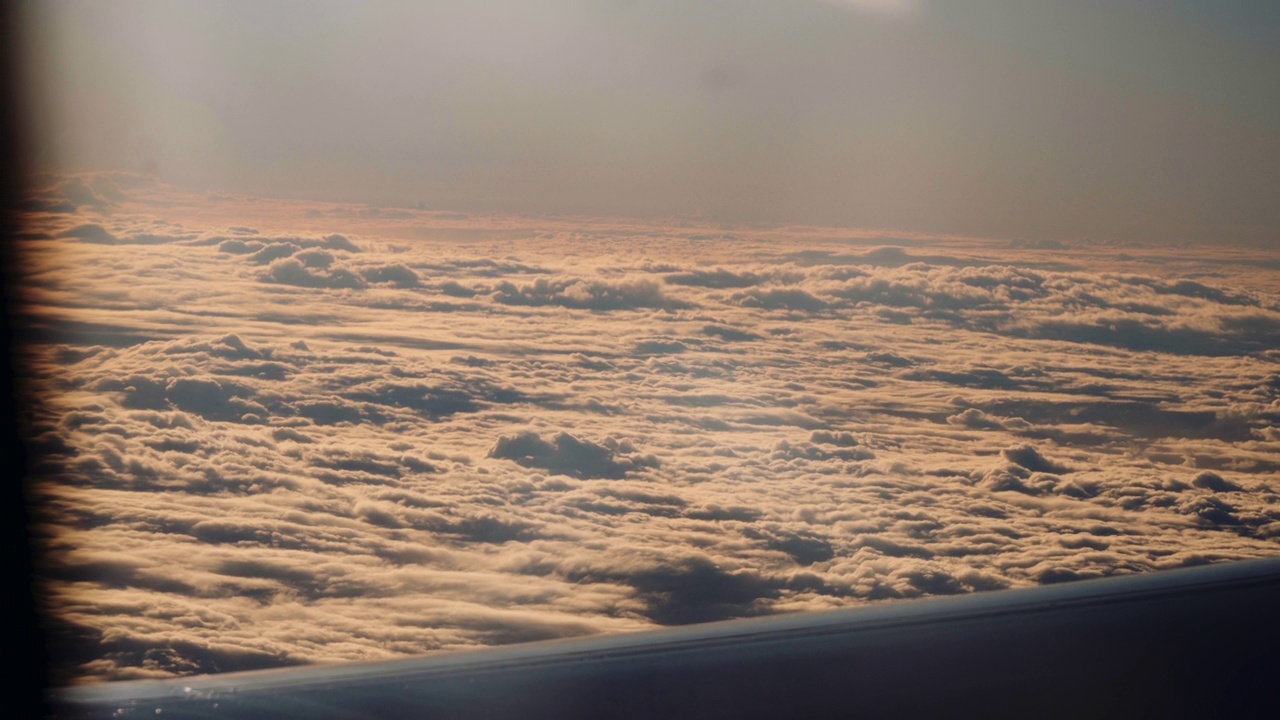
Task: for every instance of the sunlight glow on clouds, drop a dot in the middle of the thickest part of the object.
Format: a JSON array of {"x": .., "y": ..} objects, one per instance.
[{"x": 274, "y": 432}]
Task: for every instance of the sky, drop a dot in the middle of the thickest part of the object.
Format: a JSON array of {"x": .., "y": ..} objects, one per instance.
[
  {"x": 1143, "y": 120},
  {"x": 367, "y": 330}
]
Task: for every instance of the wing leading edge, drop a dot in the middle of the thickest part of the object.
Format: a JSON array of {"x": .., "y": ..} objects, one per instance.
[{"x": 1197, "y": 642}]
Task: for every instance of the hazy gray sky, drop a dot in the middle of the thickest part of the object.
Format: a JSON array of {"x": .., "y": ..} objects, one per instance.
[{"x": 1135, "y": 120}]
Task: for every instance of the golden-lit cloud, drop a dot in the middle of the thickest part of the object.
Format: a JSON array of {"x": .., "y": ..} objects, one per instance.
[{"x": 277, "y": 432}]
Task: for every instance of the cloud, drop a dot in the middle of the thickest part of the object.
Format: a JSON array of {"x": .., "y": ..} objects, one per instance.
[
  {"x": 1215, "y": 482},
  {"x": 91, "y": 232},
  {"x": 454, "y": 289},
  {"x": 275, "y": 447},
  {"x": 729, "y": 334},
  {"x": 210, "y": 398},
  {"x": 1028, "y": 457},
  {"x": 566, "y": 455},
  {"x": 291, "y": 271},
  {"x": 274, "y": 251},
  {"x": 779, "y": 299},
  {"x": 396, "y": 275},
  {"x": 433, "y": 402},
  {"x": 236, "y": 246},
  {"x": 589, "y": 294},
  {"x": 99, "y": 235},
  {"x": 99, "y": 192},
  {"x": 1225, "y": 339},
  {"x": 720, "y": 278},
  {"x": 314, "y": 258},
  {"x": 691, "y": 589},
  {"x": 805, "y": 548}
]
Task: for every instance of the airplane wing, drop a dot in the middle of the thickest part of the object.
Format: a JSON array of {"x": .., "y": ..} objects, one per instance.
[{"x": 1197, "y": 642}]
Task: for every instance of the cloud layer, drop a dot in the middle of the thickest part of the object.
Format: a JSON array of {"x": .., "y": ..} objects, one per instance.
[{"x": 266, "y": 442}]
